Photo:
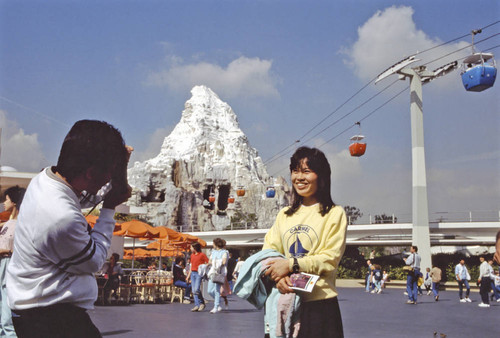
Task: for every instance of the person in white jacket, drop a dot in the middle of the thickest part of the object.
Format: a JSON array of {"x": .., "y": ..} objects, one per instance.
[
  {"x": 484, "y": 279},
  {"x": 50, "y": 281}
]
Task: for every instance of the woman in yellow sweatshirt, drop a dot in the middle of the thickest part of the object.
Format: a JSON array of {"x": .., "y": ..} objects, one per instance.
[{"x": 311, "y": 233}]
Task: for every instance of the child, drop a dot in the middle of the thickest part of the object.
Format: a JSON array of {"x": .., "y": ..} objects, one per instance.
[
  {"x": 385, "y": 278},
  {"x": 311, "y": 233},
  {"x": 377, "y": 278},
  {"x": 428, "y": 281}
]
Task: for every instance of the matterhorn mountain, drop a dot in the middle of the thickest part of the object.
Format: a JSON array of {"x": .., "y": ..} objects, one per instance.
[{"x": 207, "y": 176}]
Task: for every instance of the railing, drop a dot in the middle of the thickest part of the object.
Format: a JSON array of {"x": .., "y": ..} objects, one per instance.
[
  {"x": 436, "y": 217},
  {"x": 439, "y": 216}
]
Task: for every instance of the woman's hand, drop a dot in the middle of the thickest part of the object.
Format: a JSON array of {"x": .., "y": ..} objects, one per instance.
[
  {"x": 278, "y": 269},
  {"x": 284, "y": 285}
]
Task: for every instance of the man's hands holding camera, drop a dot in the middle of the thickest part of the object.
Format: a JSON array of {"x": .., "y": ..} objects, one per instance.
[{"x": 120, "y": 191}]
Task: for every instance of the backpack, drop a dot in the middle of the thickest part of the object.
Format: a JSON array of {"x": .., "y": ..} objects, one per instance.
[{"x": 377, "y": 274}]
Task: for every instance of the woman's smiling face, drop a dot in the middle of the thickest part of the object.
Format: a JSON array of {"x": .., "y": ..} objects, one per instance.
[{"x": 305, "y": 182}]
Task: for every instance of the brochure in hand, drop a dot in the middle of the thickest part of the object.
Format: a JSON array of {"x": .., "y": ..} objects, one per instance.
[{"x": 303, "y": 281}]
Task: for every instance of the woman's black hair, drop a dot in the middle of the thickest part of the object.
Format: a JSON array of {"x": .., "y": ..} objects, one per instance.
[
  {"x": 317, "y": 162},
  {"x": 180, "y": 259},
  {"x": 16, "y": 195}
]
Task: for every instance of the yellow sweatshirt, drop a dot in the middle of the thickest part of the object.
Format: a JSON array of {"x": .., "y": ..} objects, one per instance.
[{"x": 317, "y": 241}]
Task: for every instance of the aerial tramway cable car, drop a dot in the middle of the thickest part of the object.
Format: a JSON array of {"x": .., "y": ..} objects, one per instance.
[
  {"x": 357, "y": 148},
  {"x": 211, "y": 198},
  {"x": 478, "y": 70},
  {"x": 240, "y": 191},
  {"x": 270, "y": 192}
]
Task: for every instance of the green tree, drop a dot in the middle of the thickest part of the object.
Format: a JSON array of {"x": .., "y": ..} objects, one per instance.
[
  {"x": 382, "y": 219},
  {"x": 352, "y": 213}
]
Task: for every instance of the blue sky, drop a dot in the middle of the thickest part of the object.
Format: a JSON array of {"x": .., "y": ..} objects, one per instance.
[{"x": 282, "y": 66}]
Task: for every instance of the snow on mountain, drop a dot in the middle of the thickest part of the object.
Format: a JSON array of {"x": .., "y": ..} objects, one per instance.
[{"x": 207, "y": 156}]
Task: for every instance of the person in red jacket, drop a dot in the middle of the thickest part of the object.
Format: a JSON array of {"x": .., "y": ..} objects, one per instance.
[{"x": 197, "y": 258}]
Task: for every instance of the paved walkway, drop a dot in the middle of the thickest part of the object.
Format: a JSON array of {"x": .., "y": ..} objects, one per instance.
[{"x": 364, "y": 315}]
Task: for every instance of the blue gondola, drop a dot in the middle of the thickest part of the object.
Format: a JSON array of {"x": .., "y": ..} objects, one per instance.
[
  {"x": 270, "y": 192},
  {"x": 479, "y": 72}
]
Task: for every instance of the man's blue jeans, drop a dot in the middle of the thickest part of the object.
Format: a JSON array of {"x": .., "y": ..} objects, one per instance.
[
  {"x": 411, "y": 285},
  {"x": 496, "y": 291},
  {"x": 461, "y": 284},
  {"x": 196, "y": 287},
  {"x": 435, "y": 289},
  {"x": 184, "y": 285}
]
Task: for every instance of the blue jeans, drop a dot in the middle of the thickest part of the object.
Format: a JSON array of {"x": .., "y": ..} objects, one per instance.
[
  {"x": 435, "y": 289},
  {"x": 184, "y": 285},
  {"x": 368, "y": 283},
  {"x": 411, "y": 285},
  {"x": 461, "y": 284},
  {"x": 214, "y": 292},
  {"x": 196, "y": 287},
  {"x": 496, "y": 290},
  {"x": 6, "y": 325}
]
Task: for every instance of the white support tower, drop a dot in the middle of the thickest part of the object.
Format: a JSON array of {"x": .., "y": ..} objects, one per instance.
[{"x": 420, "y": 208}]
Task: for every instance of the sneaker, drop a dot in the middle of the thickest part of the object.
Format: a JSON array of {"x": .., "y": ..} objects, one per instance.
[
  {"x": 405, "y": 293},
  {"x": 379, "y": 291},
  {"x": 498, "y": 300},
  {"x": 215, "y": 310},
  {"x": 436, "y": 298},
  {"x": 429, "y": 293},
  {"x": 202, "y": 307},
  {"x": 484, "y": 305},
  {"x": 186, "y": 301},
  {"x": 373, "y": 291},
  {"x": 410, "y": 302},
  {"x": 468, "y": 300},
  {"x": 196, "y": 308},
  {"x": 219, "y": 309},
  {"x": 463, "y": 300}
]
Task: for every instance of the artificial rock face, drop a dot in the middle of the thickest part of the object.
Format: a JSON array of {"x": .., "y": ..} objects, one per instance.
[{"x": 202, "y": 166}]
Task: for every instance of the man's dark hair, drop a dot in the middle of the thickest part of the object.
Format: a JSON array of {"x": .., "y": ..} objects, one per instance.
[
  {"x": 90, "y": 143},
  {"x": 196, "y": 246},
  {"x": 16, "y": 195},
  {"x": 317, "y": 162},
  {"x": 415, "y": 248},
  {"x": 116, "y": 256},
  {"x": 179, "y": 259}
]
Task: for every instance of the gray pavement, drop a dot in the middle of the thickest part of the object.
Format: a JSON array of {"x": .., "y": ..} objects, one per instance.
[{"x": 364, "y": 315}]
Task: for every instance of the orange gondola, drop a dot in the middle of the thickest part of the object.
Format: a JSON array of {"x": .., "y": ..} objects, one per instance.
[
  {"x": 357, "y": 148},
  {"x": 240, "y": 191}
]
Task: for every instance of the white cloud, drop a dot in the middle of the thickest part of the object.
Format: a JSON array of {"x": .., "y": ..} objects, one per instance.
[
  {"x": 19, "y": 150},
  {"x": 243, "y": 77},
  {"x": 389, "y": 36}
]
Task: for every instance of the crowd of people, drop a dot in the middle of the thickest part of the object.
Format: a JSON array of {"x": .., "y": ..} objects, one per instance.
[{"x": 488, "y": 279}]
